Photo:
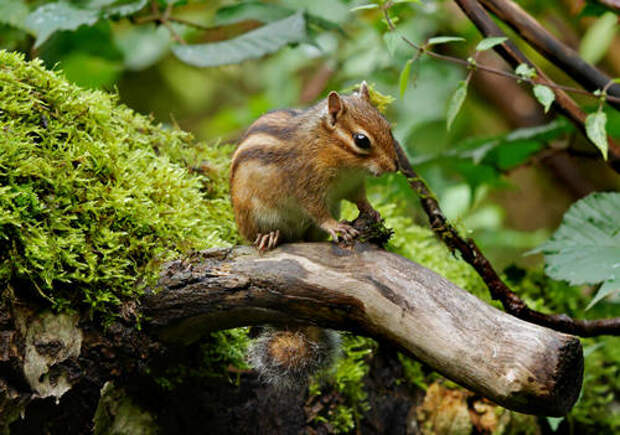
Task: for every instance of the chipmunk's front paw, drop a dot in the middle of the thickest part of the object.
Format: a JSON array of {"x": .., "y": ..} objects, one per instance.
[
  {"x": 340, "y": 231},
  {"x": 267, "y": 241}
]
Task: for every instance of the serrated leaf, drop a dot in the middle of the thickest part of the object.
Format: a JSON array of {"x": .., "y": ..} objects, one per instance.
[
  {"x": 525, "y": 71},
  {"x": 443, "y": 40},
  {"x": 490, "y": 42},
  {"x": 13, "y": 13},
  {"x": 598, "y": 38},
  {"x": 544, "y": 95},
  {"x": 456, "y": 101},
  {"x": 52, "y": 17},
  {"x": 608, "y": 287},
  {"x": 586, "y": 247},
  {"x": 404, "y": 77},
  {"x": 595, "y": 129},
  {"x": 391, "y": 40},
  {"x": 251, "y": 45}
]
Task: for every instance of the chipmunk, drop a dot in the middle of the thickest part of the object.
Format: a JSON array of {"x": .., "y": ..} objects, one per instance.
[{"x": 289, "y": 174}]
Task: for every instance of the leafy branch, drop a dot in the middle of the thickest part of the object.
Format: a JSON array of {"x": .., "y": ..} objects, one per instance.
[
  {"x": 425, "y": 49},
  {"x": 470, "y": 252},
  {"x": 542, "y": 85}
]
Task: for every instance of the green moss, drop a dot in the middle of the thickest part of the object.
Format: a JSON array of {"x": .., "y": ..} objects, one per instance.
[
  {"x": 217, "y": 352},
  {"x": 345, "y": 379},
  {"x": 93, "y": 197}
]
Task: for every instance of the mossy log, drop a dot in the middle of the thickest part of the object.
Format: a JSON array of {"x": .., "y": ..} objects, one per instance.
[{"x": 519, "y": 365}]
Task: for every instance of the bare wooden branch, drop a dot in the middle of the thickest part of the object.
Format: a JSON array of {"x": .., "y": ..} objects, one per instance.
[{"x": 519, "y": 365}]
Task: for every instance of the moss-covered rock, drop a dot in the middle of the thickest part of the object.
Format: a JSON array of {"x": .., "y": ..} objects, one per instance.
[{"x": 93, "y": 196}]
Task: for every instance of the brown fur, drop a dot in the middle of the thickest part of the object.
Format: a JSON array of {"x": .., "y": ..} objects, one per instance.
[{"x": 293, "y": 167}]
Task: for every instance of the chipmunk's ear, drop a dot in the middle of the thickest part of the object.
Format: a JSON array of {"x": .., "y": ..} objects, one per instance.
[
  {"x": 363, "y": 91},
  {"x": 335, "y": 107}
]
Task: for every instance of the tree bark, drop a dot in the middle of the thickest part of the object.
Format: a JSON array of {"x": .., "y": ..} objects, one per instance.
[{"x": 519, "y": 365}]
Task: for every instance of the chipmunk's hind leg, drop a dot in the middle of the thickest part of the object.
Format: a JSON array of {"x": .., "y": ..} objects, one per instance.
[{"x": 267, "y": 241}]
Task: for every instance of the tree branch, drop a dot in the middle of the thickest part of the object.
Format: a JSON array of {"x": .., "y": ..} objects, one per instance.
[
  {"x": 551, "y": 48},
  {"x": 364, "y": 289},
  {"x": 511, "y": 302},
  {"x": 511, "y": 54}
]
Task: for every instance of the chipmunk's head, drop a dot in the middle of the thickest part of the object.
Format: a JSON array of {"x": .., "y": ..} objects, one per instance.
[{"x": 362, "y": 135}]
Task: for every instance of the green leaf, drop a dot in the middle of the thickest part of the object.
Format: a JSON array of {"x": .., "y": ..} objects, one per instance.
[
  {"x": 595, "y": 129},
  {"x": 13, "y": 13},
  {"x": 404, "y": 77},
  {"x": 456, "y": 101},
  {"x": 593, "y": 10},
  {"x": 443, "y": 39},
  {"x": 53, "y": 17},
  {"x": 122, "y": 8},
  {"x": 253, "y": 10},
  {"x": 554, "y": 422},
  {"x": 586, "y": 247},
  {"x": 251, "y": 45},
  {"x": 491, "y": 42},
  {"x": 598, "y": 38},
  {"x": 391, "y": 42},
  {"x": 544, "y": 95},
  {"x": 525, "y": 71},
  {"x": 89, "y": 71},
  {"x": 364, "y": 7},
  {"x": 505, "y": 151},
  {"x": 608, "y": 287},
  {"x": 142, "y": 46}
]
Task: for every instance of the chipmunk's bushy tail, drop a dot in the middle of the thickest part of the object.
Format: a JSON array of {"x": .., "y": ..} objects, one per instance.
[{"x": 287, "y": 357}]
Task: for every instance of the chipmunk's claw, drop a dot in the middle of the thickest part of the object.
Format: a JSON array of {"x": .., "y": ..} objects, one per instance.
[
  {"x": 267, "y": 241},
  {"x": 341, "y": 231}
]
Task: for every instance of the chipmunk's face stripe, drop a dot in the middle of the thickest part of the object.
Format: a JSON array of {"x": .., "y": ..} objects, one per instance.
[
  {"x": 266, "y": 156},
  {"x": 345, "y": 132}
]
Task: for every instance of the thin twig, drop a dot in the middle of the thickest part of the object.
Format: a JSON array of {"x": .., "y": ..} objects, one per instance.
[
  {"x": 470, "y": 252},
  {"x": 490, "y": 69}
]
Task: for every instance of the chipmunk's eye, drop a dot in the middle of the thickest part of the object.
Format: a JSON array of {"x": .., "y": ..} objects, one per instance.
[{"x": 361, "y": 141}]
